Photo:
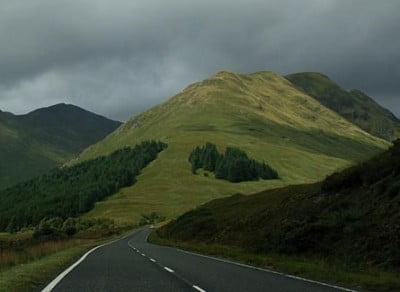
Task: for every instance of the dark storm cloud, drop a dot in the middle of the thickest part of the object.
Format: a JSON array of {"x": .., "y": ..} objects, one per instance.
[{"x": 120, "y": 57}]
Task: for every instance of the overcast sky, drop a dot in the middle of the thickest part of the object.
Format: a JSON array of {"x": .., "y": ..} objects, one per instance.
[{"x": 120, "y": 57}]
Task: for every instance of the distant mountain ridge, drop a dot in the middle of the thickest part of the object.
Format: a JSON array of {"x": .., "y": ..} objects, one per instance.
[
  {"x": 354, "y": 105},
  {"x": 45, "y": 138}
]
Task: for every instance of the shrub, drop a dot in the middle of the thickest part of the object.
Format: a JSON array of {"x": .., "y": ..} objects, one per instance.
[
  {"x": 70, "y": 230},
  {"x": 151, "y": 218}
]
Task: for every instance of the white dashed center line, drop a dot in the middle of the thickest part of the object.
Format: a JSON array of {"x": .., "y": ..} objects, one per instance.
[
  {"x": 198, "y": 288},
  {"x": 169, "y": 270}
]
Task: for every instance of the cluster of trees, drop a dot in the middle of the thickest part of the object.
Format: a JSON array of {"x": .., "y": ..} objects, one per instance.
[
  {"x": 234, "y": 165},
  {"x": 70, "y": 191},
  {"x": 56, "y": 227},
  {"x": 151, "y": 218}
]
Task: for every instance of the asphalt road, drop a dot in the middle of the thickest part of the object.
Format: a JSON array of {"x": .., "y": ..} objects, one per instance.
[{"x": 132, "y": 264}]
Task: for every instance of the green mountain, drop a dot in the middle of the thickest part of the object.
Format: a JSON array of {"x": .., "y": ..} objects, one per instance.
[
  {"x": 353, "y": 105},
  {"x": 262, "y": 113},
  {"x": 352, "y": 216},
  {"x": 33, "y": 143}
]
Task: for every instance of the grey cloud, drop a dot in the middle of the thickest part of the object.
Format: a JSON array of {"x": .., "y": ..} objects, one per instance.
[{"x": 120, "y": 57}]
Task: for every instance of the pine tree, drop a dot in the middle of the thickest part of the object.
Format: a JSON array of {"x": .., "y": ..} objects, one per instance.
[{"x": 210, "y": 157}]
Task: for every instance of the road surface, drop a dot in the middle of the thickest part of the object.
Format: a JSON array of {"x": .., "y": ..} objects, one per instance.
[{"x": 132, "y": 264}]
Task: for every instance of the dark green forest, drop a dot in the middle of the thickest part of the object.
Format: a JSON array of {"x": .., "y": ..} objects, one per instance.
[
  {"x": 234, "y": 165},
  {"x": 70, "y": 191}
]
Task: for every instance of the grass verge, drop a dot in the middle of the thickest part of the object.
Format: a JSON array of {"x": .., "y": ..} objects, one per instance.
[
  {"x": 311, "y": 268},
  {"x": 33, "y": 274}
]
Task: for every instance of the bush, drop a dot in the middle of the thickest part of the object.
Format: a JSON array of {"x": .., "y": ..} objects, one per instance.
[
  {"x": 69, "y": 223},
  {"x": 70, "y": 231},
  {"x": 151, "y": 218},
  {"x": 54, "y": 228}
]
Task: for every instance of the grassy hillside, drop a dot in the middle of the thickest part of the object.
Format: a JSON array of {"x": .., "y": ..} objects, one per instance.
[
  {"x": 261, "y": 113},
  {"x": 351, "y": 220},
  {"x": 45, "y": 138},
  {"x": 353, "y": 105},
  {"x": 353, "y": 215}
]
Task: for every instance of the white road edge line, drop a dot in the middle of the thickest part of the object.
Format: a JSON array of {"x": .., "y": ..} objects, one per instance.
[
  {"x": 198, "y": 288},
  {"x": 54, "y": 283},
  {"x": 153, "y": 260},
  {"x": 169, "y": 270},
  {"x": 269, "y": 271}
]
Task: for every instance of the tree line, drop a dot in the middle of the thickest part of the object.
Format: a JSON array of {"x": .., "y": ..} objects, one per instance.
[
  {"x": 70, "y": 191},
  {"x": 233, "y": 165}
]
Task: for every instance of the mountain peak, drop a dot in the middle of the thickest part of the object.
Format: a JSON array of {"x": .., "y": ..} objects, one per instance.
[
  {"x": 308, "y": 75},
  {"x": 46, "y": 138},
  {"x": 63, "y": 110},
  {"x": 224, "y": 73},
  {"x": 228, "y": 74},
  {"x": 62, "y": 104},
  {"x": 59, "y": 106},
  {"x": 353, "y": 105}
]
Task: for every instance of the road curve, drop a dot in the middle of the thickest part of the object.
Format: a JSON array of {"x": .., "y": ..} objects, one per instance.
[{"x": 132, "y": 264}]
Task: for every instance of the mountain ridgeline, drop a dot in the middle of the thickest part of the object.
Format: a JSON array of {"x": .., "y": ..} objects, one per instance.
[
  {"x": 352, "y": 216},
  {"x": 353, "y": 105},
  {"x": 262, "y": 113},
  {"x": 234, "y": 165},
  {"x": 71, "y": 191},
  {"x": 36, "y": 142}
]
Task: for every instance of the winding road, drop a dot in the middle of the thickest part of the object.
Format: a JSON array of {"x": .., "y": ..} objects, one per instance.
[{"x": 133, "y": 264}]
